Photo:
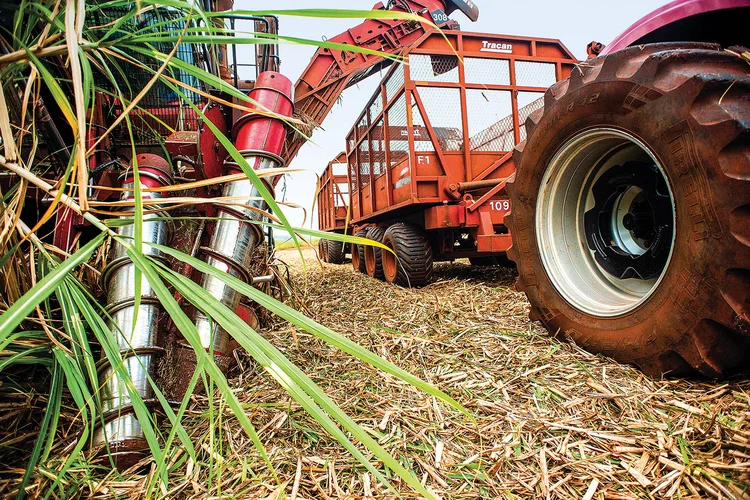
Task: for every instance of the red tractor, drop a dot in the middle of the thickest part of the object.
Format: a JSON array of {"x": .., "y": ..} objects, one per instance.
[
  {"x": 631, "y": 199},
  {"x": 629, "y": 215}
]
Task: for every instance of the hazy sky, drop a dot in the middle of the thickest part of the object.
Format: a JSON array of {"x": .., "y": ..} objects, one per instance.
[{"x": 575, "y": 23}]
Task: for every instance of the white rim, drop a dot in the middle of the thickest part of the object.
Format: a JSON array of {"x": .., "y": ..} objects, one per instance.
[{"x": 585, "y": 267}]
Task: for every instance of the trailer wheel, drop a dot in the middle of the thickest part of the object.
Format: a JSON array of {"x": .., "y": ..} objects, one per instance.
[
  {"x": 373, "y": 255},
  {"x": 335, "y": 252},
  {"x": 631, "y": 209},
  {"x": 323, "y": 249},
  {"x": 411, "y": 266},
  {"x": 358, "y": 252}
]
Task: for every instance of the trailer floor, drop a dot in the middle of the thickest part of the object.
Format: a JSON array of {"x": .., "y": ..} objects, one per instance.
[{"x": 551, "y": 420}]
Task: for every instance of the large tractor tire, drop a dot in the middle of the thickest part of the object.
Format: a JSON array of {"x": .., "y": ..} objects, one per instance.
[
  {"x": 631, "y": 209},
  {"x": 336, "y": 253},
  {"x": 410, "y": 264},
  {"x": 323, "y": 250},
  {"x": 358, "y": 252},
  {"x": 374, "y": 255}
]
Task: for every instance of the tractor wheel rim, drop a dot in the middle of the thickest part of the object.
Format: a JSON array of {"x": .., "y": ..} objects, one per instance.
[
  {"x": 389, "y": 262},
  {"x": 605, "y": 222}
]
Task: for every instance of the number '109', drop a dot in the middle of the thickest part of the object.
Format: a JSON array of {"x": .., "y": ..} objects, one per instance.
[{"x": 500, "y": 205}]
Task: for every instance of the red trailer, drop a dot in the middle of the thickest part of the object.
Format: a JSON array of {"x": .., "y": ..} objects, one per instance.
[
  {"x": 430, "y": 155},
  {"x": 333, "y": 209}
]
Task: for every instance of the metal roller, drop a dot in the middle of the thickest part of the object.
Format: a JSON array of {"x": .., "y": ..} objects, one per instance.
[
  {"x": 259, "y": 139},
  {"x": 135, "y": 330}
]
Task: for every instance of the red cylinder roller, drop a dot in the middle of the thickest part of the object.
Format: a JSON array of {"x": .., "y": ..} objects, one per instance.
[
  {"x": 153, "y": 172},
  {"x": 254, "y": 133}
]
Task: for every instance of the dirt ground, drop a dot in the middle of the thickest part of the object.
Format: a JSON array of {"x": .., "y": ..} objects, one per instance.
[{"x": 551, "y": 420}]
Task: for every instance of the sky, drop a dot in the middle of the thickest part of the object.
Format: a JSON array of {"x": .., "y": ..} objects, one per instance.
[{"x": 575, "y": 23}]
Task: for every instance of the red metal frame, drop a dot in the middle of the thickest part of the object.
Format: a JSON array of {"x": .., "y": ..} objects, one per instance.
[
  {"x": 332, "y": 200},
  {"x": 421, "y": 171}
]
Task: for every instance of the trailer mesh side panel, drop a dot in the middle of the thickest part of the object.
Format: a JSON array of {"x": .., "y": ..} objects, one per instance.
[
  {"x": 377, "y": 145},
  {"x": 445, "y": 118},
  {"x": 433, "y": 68},
  {"x": 395, "y": 82},
  {"x": 490, "y": 118},
  {"x": 535, "y": 74},
  {"x": 449, "y": 119},
  {"x": 376, "y": 108},
  {"x": 398, "y": 134},
  {"x": 364, "y": 162},
  {"x": 487, "y": 71}
]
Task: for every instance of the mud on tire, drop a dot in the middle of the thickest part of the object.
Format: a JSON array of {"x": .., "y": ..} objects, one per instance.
[
  {"x": 411, "y": 266},
  {"x": 677, "y": 308}
]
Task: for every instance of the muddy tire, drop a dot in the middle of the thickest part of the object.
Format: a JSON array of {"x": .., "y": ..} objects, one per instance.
[
  {"x": 335, "y": 252},
  {"x": 358, "y": 253},
  {"x": 631, "y": 209},
  {"x": 373, "y": 255},
  {"x": 492, "y": 261},
  {"x": 411, "y": 266},
  {"x": 323, "y": 250}
]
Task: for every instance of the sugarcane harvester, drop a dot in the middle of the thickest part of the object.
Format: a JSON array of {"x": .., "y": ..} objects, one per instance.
[
  {"x": 266, "y": 143},
  {"x": 173, "y": 145},
  {"x": 592, "y": 199}
]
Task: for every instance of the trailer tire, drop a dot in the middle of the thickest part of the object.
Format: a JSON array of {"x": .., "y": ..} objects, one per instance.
[
  {"x": 358, "y": 253},
  {"x": 323, "y": 249},
  {"x": 374, "y": 255},
  {"x": 653, "y": 268},
  {"x": 335, "y": 252},
  {"x": 410, "y": 264}
]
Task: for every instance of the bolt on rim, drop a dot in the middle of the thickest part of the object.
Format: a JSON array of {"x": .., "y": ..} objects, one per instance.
[{"x": 605, "y": 222}]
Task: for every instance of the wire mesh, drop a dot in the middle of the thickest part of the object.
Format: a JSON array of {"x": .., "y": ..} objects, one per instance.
[
  {"x": 422, "y": 141},
  {"x": 433, "y": 68},
  {"x": 362, "y": 126},
  {"x": 442, "y": 106},
  {"x": 487, "y": 71},
  {"x": 490, "y": 120},
  {"x": 528, "y": 102},
  {"x": 395, "y": 82},
  {"x": 342, "y": 195},
  {"x": 377, "y": 148},
  {"x": 352, "y": 161},
  {"x": 398, "y": 133},
  {"x": 376, "y": 107},
  {"x": 535, "y": 74},
  {"x": 363, "y": 157},
  {"x": 162, "y": 108}
]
